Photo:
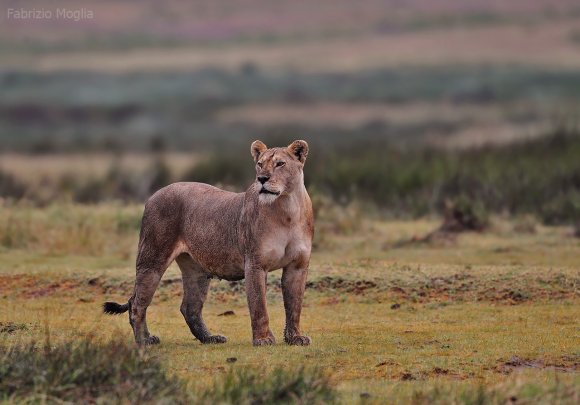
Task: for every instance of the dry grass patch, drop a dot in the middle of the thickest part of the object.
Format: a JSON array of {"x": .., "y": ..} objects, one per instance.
[{"x": 70, "y": 229}]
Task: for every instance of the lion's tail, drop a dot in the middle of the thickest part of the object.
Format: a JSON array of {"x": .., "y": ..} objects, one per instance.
[{"x": 112, "y": 308}]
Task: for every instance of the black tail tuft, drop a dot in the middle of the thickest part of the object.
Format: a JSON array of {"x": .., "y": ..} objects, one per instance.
[{"x": 112, "y": 308}]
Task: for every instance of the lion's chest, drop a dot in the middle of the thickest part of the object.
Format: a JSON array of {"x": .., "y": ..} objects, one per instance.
[{"x": 280, "y": 247}]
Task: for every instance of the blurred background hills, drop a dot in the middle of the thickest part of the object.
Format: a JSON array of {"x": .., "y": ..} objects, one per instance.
[{"x": 406, "y": 104}]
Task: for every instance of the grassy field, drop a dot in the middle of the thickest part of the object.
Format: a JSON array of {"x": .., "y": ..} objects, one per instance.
[
  {"x": 411, "y": 109},
  {"x": 491, "y": 314}
]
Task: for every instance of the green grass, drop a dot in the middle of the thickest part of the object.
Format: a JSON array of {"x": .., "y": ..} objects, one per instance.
[
  {"x": 88, "y": 371},
  {"x": 465, "y": 311}
]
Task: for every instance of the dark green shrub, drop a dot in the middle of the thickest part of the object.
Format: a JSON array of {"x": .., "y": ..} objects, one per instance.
[
  {"x": 465, "y": 214},
  {"x": 10, "y": 187},
  {"x": 282, "y": 386},
  {"x": 540, "y": 177},
  {"x": 226, "y": 169},
  {"x": 160, "y": 175},
  {"x": 85, "y": 372}
]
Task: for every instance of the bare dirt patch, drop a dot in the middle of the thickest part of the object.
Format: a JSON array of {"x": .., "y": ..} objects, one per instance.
[
  {"x": 565, "y": 364},
  {"x": 459, "y": 287},
  {"x": 465, "y": 287},
  {"x": 26, "y": 286},
  {"x": 340, "y": 284},
  {"x": 435, "y": 372},
  {"x": 459, "y": 216}
]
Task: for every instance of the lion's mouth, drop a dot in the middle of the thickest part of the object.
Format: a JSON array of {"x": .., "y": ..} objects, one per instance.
[{"x": 264, "y": 190}]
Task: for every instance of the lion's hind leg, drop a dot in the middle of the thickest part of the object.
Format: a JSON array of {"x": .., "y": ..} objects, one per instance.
[
  {"x": 195, "y": 289},
  {"x": 145, "y": 285},
  {"x": 152, "y": 262}
]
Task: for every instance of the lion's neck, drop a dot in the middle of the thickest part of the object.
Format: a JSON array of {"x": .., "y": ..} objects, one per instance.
[
  {"x": 291, "y": 204},
  {"x": 287, "y": 210}
]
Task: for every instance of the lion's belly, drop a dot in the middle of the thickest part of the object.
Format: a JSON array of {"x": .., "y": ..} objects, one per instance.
[
  {"x": 217, "y": 258},
  {"x": 227, "y": 271},
  {"x": 223, "y": 267}
]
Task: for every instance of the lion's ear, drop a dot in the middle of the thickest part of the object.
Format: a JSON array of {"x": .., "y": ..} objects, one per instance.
[
  {"x": 257, "y": 149},
  {"x": 299, "y": 149}
]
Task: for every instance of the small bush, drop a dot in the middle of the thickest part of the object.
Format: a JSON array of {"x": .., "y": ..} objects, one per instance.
[
  {"x": 332, "y": 218},
  {"x": 160, "y": 175},
  {"x": 230, "y": 169},
  {"x": 10, "y": 187},
  {"x": 281, "y": 386},
  {"x": 85, "y": 372},
  {"x": 526, "y": 224},
  {"x": 464, "y": 214}
]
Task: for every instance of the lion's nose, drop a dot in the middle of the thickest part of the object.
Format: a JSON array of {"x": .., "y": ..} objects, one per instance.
[{"x": 263, "y": 179}]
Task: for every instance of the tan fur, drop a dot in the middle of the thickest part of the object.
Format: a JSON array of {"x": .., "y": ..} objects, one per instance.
[{"x": 216, "y": 233}]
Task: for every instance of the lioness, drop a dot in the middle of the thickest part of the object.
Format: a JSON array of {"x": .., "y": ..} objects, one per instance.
[{"x": 216, "y": 233}]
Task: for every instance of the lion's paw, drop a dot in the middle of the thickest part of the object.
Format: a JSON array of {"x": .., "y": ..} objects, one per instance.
[
  {"x": 298, "y": 340},
  {"x": 267, "y": 341},
  {"x": 151, "y": 340},
  {"x": 215, "y": 339}
]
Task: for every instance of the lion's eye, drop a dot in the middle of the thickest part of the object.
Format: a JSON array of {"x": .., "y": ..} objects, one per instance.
[
  {"x": 260, "y": 164},
  {"x": 279, "y": 164}
]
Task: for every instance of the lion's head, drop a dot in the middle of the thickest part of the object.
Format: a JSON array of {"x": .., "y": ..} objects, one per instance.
[{"x": 278, "y": 170}]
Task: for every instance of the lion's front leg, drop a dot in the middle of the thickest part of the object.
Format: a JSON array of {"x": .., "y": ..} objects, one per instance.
[
  {"x": 293, "y": 284},
  {"x": 256, "y": 293}
]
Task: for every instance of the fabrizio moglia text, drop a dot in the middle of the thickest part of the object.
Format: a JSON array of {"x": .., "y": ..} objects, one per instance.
[{"x": 73, "y": 14}]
